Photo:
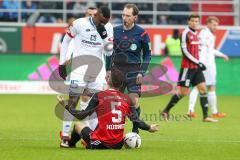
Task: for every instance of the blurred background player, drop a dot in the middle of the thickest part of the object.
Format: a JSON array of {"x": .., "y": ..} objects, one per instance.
[
  {"x": 191, "y": 73},
  {"x": 89, "y": 35},
  {"x": 173, "y": 47},
  {"x": 207, "y": 57},
  {"x": 132, "y": 54},
  {"x": 111, "y": 107}
]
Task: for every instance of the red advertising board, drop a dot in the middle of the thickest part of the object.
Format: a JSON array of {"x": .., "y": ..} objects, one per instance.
[
  {"x": 46, "y": 39},
  {"x": 41, "y": 39}
]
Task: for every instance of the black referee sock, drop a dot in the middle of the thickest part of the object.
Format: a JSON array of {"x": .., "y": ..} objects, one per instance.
[
  {"x": 204, "y": 104},
  {"x": 135, "y": 127},
  {"x": 175, "y": 98},
  {"x": 75, "y": 137}
]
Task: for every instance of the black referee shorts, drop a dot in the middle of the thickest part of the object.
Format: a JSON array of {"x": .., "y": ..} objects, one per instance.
[
  {"x": 130, "y": 72},
  {"x": 190, "y": 77}
]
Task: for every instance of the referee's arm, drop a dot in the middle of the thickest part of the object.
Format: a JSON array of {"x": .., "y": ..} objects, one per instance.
[{"x": 146, "y": 48}]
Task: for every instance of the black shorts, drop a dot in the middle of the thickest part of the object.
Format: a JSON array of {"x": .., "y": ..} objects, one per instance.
[
  {"x": 132, "y": 86},
  {"x": 86, "y": 132},
  {"x": 190, "y": 77}
]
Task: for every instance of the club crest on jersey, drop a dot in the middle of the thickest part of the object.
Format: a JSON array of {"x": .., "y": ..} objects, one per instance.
[
  {"x": 93, "y": 37},
  {"x": 133, "y": 47}
]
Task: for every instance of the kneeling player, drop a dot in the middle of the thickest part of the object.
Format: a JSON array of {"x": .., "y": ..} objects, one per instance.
[{"x": 111, "y": 107}]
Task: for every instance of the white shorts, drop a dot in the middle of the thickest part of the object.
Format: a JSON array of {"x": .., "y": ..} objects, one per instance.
[
  {"x": 210, "y": 75},
  {"x": 91, "y": 121},
  {"x": 80, "y": 80}
]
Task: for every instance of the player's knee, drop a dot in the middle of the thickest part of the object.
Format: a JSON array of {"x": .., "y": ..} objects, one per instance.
[
  {"x": 78, "y": 127},
  {"x": 211, "y": 88},
  {"x": 184, "y": 92},
  {"x": 202, "y": 90},
  {"x": 85, "y": 98}
]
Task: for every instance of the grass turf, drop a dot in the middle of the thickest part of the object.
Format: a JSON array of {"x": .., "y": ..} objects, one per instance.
[{"x": 29, "y": 129}]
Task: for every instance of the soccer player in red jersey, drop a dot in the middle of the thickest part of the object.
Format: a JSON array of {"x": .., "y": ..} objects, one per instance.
[
  {"x": 111, "y": 107},
  {"x": 191, "y": 73}
]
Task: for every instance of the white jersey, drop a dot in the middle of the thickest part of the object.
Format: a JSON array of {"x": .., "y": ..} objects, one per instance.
[
  {"x": 86, "y": 41},
  {"x": 207, "y": 47},
  {"x": 207, "y": 55}
]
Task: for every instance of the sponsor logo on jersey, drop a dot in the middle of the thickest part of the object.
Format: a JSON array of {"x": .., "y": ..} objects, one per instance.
[
  {"x": 91, "y": 43},
  {"x": 88, "y": 30},
  {"x": 93, "y": 37}
]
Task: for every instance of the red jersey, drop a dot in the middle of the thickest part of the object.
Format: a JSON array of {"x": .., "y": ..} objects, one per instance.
[
  {"x": 112, "y": 109},
  {"x": 190, "y": 48}
]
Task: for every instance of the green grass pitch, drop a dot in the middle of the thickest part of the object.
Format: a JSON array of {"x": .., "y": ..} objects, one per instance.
[{"x": 29, "y": 129}]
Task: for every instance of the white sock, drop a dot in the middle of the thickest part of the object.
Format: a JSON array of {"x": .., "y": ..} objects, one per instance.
[
  {"x": 192, "y": 99},
  {"x": 67, "y": 122},
  {"x": 212, "y": 100}
]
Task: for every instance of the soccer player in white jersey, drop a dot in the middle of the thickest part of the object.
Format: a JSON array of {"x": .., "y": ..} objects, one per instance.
[
  {"x": 90, "y": 35},
  {"x": 91, "y": 11},
  {"x": 207, "y": 57}
]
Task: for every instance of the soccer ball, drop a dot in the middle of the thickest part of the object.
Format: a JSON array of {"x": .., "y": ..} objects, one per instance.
[{"x": 132, "y": 140}]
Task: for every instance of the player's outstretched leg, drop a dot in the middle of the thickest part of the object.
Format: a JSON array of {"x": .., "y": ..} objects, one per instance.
[
  {"x": 135, "y": 127},
  {"x": 212, "y": 99},
  {"x": 67, "y": 118},
  {"x": 175, "y": 98},
  {"x": 192, "y": 102},
  {"x": 204, "y": 103},
  {"x": 134, "y": 98}
]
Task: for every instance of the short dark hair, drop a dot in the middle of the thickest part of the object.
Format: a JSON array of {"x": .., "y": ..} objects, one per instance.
[
  {"x": 105, "y": 11},
  {"x": 134, "y": 7},
  {"x": 193, "y": 16},
  {"x": 116, "y": 78}
]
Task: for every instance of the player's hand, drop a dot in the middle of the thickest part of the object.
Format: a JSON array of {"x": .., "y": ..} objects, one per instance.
[
  {"x": 62, "y": 71},
  {"x": 107, "y": 76},
  {"x": 61, "y": 100},
  {"x": 139, "y": 78},
  {"x": 202, "y": 66},
  {"x": 102, "y": 31},
  {"x": 68, "y": 62},
  {"x": 154, "y": 128},
  {"x": 225, "y": 57}
]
